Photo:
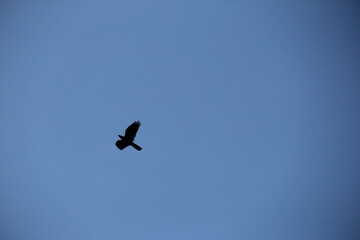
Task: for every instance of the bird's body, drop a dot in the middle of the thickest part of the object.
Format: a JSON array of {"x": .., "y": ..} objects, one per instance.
[{"x": 128, "y": 139}]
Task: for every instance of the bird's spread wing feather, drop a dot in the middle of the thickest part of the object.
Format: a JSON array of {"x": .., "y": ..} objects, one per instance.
[{"x": 131, "y": 131}]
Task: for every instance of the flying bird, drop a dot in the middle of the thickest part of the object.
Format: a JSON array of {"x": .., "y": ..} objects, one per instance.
[{"x": 128, "y": 139}]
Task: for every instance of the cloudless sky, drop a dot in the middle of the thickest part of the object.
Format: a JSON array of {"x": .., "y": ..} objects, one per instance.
[{"x": 250, "y": 120}]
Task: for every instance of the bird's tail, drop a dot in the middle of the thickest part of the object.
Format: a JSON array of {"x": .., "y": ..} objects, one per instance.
[{"x": 137, "y": 147}]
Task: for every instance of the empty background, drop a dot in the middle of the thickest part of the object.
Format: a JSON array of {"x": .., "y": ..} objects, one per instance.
[{"x": 250, "y": 113}]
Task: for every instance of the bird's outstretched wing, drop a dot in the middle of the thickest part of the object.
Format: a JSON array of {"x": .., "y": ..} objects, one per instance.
[{"x": 131, "y": 131}]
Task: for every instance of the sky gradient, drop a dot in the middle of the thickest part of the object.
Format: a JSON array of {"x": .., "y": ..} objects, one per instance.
[{"x": 250, "y": 120}]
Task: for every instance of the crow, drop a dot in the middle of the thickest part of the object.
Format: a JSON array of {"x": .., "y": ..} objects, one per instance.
[{"x": 128, "y": 139}]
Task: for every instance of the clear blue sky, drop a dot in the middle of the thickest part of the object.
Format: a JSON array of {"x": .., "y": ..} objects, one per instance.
[{"x": 250, "y": 113}]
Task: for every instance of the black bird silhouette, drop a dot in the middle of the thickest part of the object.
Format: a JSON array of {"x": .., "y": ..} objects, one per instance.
[{"x": 128, "y": 139}]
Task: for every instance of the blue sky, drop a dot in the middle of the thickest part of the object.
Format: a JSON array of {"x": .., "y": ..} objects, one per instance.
[{"x": 250, "y": 120}]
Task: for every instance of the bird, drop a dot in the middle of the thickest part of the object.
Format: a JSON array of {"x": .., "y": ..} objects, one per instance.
[{"x": 128, "y": 139}]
